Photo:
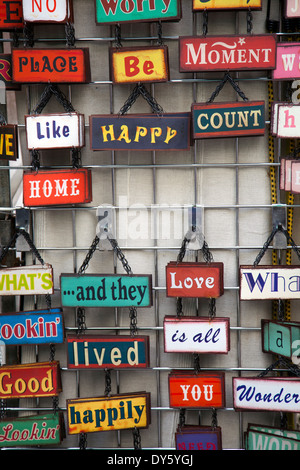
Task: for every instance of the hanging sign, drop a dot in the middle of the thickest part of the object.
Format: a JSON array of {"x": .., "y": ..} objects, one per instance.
[
  {"x": 32, "y": 327},
  {"x": 107, "y": 352},
  {"x": 285, "y": 121},
  {"x": 124, "y": 411},
  {"x": 204, "y": 54},
  {"x": 48, "y": 11},
  {"x": 140, "y": 132},
  {"x": 281, "y": 338},
  {"x": 27, "y": 280},
  {"x": 57, "y": 187},
  {"x": 30, "y": 380},
  {"x": 106, "y": 290},
  {"x": 198, "y": 438},
  {"x": 192, "y": 279},
  {"x": 266, "y": 394},
  {"x": 40, "y": 430},
  {"x": 196, "y": 335},
  {"x": 259, "y": 437},
  {"x": 201, "y": 390},
  {"x": 51, "y": 65},
  {"x": 11, "y": 15},
  {"x": 292, "y": 9},
  {"x": 140, "y": 64},
  {"x": 200, "y": 5},
  {"x": 6, "y": 73},
  {"x": 8, "y": 142},
  {"x": 142, "y": 11},
  {"x": 269, "y": 282},
  {"x": 228, "y": 119},
  {"x": 287, "y": 61},
  {"x": 53, "y": 131},
  {"x": 290, "y": 175}
]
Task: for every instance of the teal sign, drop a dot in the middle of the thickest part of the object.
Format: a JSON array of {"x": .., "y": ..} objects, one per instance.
[
  {"x": 120, "y": 11},
  {"x": 281, "y": 338},
  {"x": 270, "y": 438},
  {"x": 106, "y": 290}
]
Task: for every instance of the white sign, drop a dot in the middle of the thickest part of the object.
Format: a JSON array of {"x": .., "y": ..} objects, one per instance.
[
  {"x": 49, "y": 11},
  {"x": 269, "y": 394},
  {"x": 285, "y": 120},
  {"x": 27, "y": 280},
  {"x": 269, "y": 282},
  {"x": 51, "y": 131}
]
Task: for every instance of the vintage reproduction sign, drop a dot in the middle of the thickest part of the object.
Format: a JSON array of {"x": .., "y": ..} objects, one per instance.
[
  {"x": 198, "y": 335},
  {"x": 258, "y": 437},
  {"x": 269, "y": 282},
  {"x": 107, "y": 352},
  {"x": 106, "y": 290},
  {"x": 139, "y": 64},
  {"x": 6, "y": 73},
  {"x": 290, "y": 175},
  {"x": 292, "y": 9},
  {"x": 212, "y": 53},
  {"x": 53, "y": 131},
  {"x": 30, "y": 380},
  {"x": 287, "y": 61},
  {"x": 27, "y": 280},
  {"x": 70, "y": 65},
  {"x": 40, "y": 430},
  {"x": 9, "y": 142},
  {"x": 120, "y": 11},
  {"x": 285, "y": 119},
  {"x": 228, "y": 119},
  {"x": 192, "y": 437},
  {"x": 193, "y": 279},
  {"x": 140, "y": 132},
  {"x": 281, "y": 338},
  {"x": 57, "y": 187},
  {"x": 48, "y": 11},
  {"x": 266, "y": 394},
  {"x": 201, "y": 390},
  {"x": 11, "y": 15},
  {"x": 200, "y": 5},
  {"x": 32, "y": 327},
  {"x": 124, "y": 411}
]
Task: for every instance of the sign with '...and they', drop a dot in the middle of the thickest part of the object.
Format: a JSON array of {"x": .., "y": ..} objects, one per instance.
[
  {"x": 111, "y": 352},
  {"x": 200, "y": 5},
  {"x": 57, "y": 187},
  {"x": 106, "y": 290},
  {"x": 39, "y": 430},
  {"x": 201, "y": 390},
  {"x": 212, "y": 53},
  {"x": 197, "y": 335},
  {"x": 11, "y": 15},
  {"x": 48, "y": 11},
  {"x": 258, "y": 437},
  {"x": 193, "y": 437},
  {"x": 228, "y": 119},
  {"x": 51, "y": 65},
  {"x": 269, "y": 282},
  {"x": 266, "y": 394},
  {"x": 30, "y": 380},
  {"x": 140, "y": 132},
  {"x": 120, "y": 11},
  {"x": 52, "y": 131},
  {"x": 8, "y": 142},
  {"x": 193, "y": 279},
  {"x": 124, "y": 411},
  {"x": 281, "y": 338},
  {"x": 27, "y": 280},
  {"x": 139, "y": 64},
  {"x": 32, "y": 327}
]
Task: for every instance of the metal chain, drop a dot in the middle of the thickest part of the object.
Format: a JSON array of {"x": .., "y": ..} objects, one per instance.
[
  {"x": 159, "y": 33},
  {"x": 28, "y": 33},
  {"x": 214, "y": 418},
  {"x": 118, "y": 42},
  {"x": 197, "y": 367},
  {"x": 35, "y": 160},
  {"x": 182, "y": 417},
  {"x": 136, "y": 439},
  {"x": 16, "y": 36},
  {"x": 249, "y": 21},
  {"x": 80, "y": 316},
  {"x": 279, "y": 228},
  {"x": 55, "y": 404},
  {"x": 70, "y": 34},
  {"x": 227, "y": 78},
  {"x": 205, "y": 22},
  {"x": 2, "y": 120},
  {"x": 120, "y": 255},
  {"x": 76, "y": 158},
  {"x": 89, "y": 255},
  {"x": 31, "y": 245},
  {"x": 82, "y": 441},
  {"x": 282, "y": 362},
  {"x": 49, "y": 91},
  {"x": 138, "y": 90},
  {"x": 52, "y": 352},
  {"x": 3, "y": 408},
  {"x": 107, "y": 383}
]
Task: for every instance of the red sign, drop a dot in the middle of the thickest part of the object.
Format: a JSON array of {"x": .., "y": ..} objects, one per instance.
[
  {"x": 11, "y": 14},
  {"x": 51, "y": 65},
  {"x": 57, "y": 187},
  {"x": 30, "y": 380},
  {"x": 199, "y": 53},
  {"x": 201, "y": 390},
  {"x": 192, "y": 279}
]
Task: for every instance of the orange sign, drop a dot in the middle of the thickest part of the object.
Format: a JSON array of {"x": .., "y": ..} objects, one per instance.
[{"x": 11, "y": 14}]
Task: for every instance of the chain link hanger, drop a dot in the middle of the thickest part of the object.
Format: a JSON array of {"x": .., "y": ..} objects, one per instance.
[{"x": 227, "y": 78}]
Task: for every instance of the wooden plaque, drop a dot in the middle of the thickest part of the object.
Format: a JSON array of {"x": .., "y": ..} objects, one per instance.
[
  {"x": 124, "y": 411},
  {"x": 193, "y": 438},
  {"x": 228, "y": 119},
  {"x": 201, "y": 390},
  {"x": 48, "y": 11},
  {"x": 192, "y": 279},
  {"x": 27, "y": 280},
  {"x": 11, "y": 15},
  {"x": 9, "y": 142},
  {"x": 287, "y": 62},
  {"x": 281, "y": 338},
  {"x": 140, "y": 64},
  {"x": 200, "y": 5},
  {"x": 258, "y": 437},
  {"x": 211, "y": 53},
  {"x": 286, "y": 119},
  {"x": 51, "y": 65},
  {"x": 6, "y": 73}
]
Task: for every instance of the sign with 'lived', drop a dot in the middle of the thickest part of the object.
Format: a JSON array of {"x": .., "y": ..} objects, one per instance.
[
  {"x": 106, "y": 290},
  {"x": 211, "y": 53},
  {"x": 48, "y": 11},
  {"x": 140, "y": 132},
  {"x": 124, "y": 411},
  {"x": 228, "y": 119},
  {"x": 192, "y": 279},
  {"x": 266, "y": 394},
  {"x": 196, "y": 335},
  {"x": 269, "y": 282},
  {"x": 200, "y": 5},
  {"x": 27, "y": 280},
  {"x": 201, "y": 390},
  {"x": 120, "y": 11}
]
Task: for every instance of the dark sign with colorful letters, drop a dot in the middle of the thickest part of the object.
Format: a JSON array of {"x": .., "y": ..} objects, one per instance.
[
  {"x": 8, "y": 142},
  {"x": 192, "y": 437}
]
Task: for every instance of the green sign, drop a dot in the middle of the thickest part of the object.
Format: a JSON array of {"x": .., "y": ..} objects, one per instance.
[
  {"x": 106, "y": 290},
  {"x": 281, "y": 338},
  {"x": 270, "y": 438},
  {"x": 121, "y": 11}
]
